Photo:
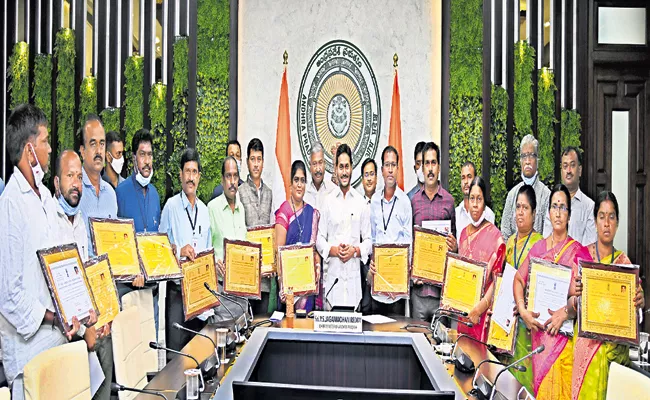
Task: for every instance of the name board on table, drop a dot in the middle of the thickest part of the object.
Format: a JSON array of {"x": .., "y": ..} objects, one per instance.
[{"x": 340, "y": 322}]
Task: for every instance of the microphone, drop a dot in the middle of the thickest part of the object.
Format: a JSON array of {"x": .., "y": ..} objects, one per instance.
[
  {"x": 182, "y": 328},
  {"x": 329, "y": 291},
  {"x": 116, "y": 387},
  {"x": 437, "y": 314},
  {"x": 532, "y": 353},
  {"x": 483, "y": 392},
  {"x": 227, "y": 297},
  {"x": 157, "y": 346},
  {"x": 248, "y": 303},
  {"x": 217, "y": 295},
  {"x": 463, "y": 362}
]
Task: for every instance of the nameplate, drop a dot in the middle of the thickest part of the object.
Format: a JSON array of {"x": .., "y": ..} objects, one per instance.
[{"x": 337, "y": 322}]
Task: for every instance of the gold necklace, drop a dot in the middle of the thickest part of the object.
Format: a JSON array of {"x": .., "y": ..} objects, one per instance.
[{"x": 555, "y": 255}]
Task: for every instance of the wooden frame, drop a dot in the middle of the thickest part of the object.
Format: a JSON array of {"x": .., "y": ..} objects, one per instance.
[
  {"x": 204, "y": 256},
  {"x": 415, "y": 275},
  {"x": 120, "y": 277},
  {"x": 149, "y": 273},
  {"x": 451, "y": 304},
  {"x": 103, "y": 317},
  {"x": 266, "y": 269},
  {"x": 282, "y": 251},
  {"x": 404, "y": 294},
  {"x": 256, "y": 294}
]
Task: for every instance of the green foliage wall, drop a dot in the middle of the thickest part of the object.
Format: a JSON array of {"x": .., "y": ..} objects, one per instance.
[
  {"x": 213, "y": 40},
  {"x": 18, "y": 73},
  {"x": 571, "y": 128},
  {"x": 179, "y": 109},
  {"x": 87, "y": 98},
  {"x": 158, "y": 117},
  {"x": 466, "y": 139},
  {"x": 133, "y": 99},
  {"x": 111, "y": 119},
  {"x": 546, "y": 125},
  {"x": 523, "y": 89},
  {"x": 498, "y": 148},
  {"x": 64, "y": 52},
  {"x": 43, "y": 84}
]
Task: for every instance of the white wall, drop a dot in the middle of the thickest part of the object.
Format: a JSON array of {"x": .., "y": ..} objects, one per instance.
[{"x": 379, "y": 28}]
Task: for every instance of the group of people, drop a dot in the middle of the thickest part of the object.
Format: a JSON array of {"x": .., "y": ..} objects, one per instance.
[{"x": 341, "y": 222}]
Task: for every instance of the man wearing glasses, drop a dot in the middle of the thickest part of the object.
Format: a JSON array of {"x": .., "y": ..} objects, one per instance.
[{"x": 529, "y": 176}]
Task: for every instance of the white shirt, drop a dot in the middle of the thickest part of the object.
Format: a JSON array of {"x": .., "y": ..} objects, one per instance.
[
  {"x": 72, "y": 232},
  {"x": 27, "y": 224},
  {"x": 582, "y": 225},
  {"x": 314, "y": 197},
  {"x": 343, "y": 220},
  {"x": 463, "y": 218}
]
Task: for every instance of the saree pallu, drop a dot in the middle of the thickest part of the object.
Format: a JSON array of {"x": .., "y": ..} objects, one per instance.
[
  {"x": 302, "y": 227},
  {"x": 485, "y": 245},
  {"x": 593, "y": 357},
  {"x": 523, "y": 343},
  {"x": 552, "y": 368}
]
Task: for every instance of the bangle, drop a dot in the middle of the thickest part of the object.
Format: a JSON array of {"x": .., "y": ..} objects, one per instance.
[{"x": 566, "y": 310}]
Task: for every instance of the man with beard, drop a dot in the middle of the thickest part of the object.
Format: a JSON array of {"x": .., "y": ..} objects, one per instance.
[
  {"x": 233, "y": 149},
  {"x": 98, "y": 201},
  {"x": 582, "y": 225},
  {"x": 319, "y": 187},
  {"x": 417, "y": 167},
  {"x": 467, "y": 174},
  {"x": 344, "y": 238},
  {"x": 186, "y": 222},
  {"x": 114, "y": 159}
]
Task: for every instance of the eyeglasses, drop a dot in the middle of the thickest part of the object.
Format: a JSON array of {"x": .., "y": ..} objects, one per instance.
[
  {"x": 528, "y": 156},
  {"x": 557, "y": 208},
  {"x": 370, "y": 174}
]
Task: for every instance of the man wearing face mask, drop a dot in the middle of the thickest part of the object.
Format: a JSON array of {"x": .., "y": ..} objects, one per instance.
[
  {"x": 72, "y": 229},
  {"x": 467, "y": 174},
  {"x": 114, "y": 159},
  {"x": 528, "y": 158},
  {"x": 27, "y": 224},
  {"x": 417, "y": 166},
  {"x": 233, "y": 149}
]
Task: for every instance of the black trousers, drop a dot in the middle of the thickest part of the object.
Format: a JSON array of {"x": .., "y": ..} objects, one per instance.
[
  {"x": 177, "y": 339},
  {"x": 261, "y": 307},
  {"x": 396, "y": 308}
]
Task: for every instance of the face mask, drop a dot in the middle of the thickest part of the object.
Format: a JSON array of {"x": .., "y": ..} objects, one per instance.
[
  {"x": 67, "y": 208},
  {"x": 529, "y": 181},
  {"x": 117, "y": 164},
  {"x": 37, "y": 171},
  {"x": 480, "y": 220},
  {"x": 142, "y": 180},
  {"x": 420, "y": 175}
]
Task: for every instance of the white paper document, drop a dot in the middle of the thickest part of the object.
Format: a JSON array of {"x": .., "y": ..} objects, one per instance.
[
  {"x": 441, "y": 226},
  {"x": 96, "y": 373},
  {"x": 551, "y": 294},
  {"x": 502, "y": 312},
  {"x": 277, "y": 316},
  {"x": 377, "y": 319},
  {"x": 71, "y": 288}
]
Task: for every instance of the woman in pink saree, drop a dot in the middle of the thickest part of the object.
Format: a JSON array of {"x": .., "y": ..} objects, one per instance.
[
  {"x": 553, "y": 367},
  {"x": 591, "y": 358},
  {"x": 481, "y": 241}
]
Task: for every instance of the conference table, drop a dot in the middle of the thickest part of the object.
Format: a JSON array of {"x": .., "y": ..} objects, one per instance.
[{"x": 171, "y": 379}]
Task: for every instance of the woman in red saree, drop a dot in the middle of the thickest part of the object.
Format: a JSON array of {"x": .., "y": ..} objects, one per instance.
[
  {"x": 481, "y": 241},
  {"x": 591, "y": 358},
  {"x": 553, "y": 367}
]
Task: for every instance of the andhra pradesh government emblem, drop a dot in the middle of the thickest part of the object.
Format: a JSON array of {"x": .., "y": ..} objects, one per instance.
[{"x": 339, "y": 102}]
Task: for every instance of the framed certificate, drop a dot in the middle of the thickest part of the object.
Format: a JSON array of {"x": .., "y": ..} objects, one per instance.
[
  {"x": 606, "y": 309},
  {"x": 503, "y": 340},
  {"x": 116, "y": 237},
  {"x": 392, "y": 262},
  {"x": 158, "y": 258},
  {"x": 429, "y": 256},
  {"x": 196, "y": 298},
  {"x": 100, "y": 279},
  {"x": 243, "y": 268},
  {"x": 548, "y": 288},
  {"x": 298, "y": 269},
  {"x": 264, "y": 235},
  {"x": 68, "y": 284},
  {"x": 463, "y": 285}
]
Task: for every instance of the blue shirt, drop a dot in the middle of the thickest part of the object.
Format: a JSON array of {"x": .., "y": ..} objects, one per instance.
[
  {"x": 176, "y": 223},
  {"x": 132, "y": 202},
  {"x": 93, "y": 206},
  {"x": 2, "y": 186}
]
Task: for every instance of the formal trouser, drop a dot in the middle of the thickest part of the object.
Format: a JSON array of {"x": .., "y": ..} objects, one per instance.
[
  {"x": 423, "y": 307},
  {"x": 396, "y": 308},
  {"x": 104, "y": 351},
  {"x": 261, "y": 307},
  {"x": 176, "y": 339},
  {"x": 366, "y": 297}
]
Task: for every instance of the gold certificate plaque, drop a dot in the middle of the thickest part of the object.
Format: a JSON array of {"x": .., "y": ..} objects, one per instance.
[
  {"x": 298, "y": 269},
  {"x": 158, "y": 258},
  {"x": 100, "y": 278},
  {"x": 68, "y": 284},
  {"x": 242, "y": 260},
  {"x": 393, "y": 266},
  {"x": 606, "y": 309},
  {"x": 264, "y": 235},
  {"x": 116, "y": 237},
  {"x": 429, "y": 256},
  {"x": 503, "y": 340},
  {"x": 196, "y": 297},
  {"x": 463, "y": 286}
]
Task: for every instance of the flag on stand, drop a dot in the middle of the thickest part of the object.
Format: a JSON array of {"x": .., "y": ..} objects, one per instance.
[
  {"x": 282, "y": 173},
  {"x": 395, "y": 130}
]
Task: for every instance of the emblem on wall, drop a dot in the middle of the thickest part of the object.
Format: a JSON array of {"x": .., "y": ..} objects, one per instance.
[{"x": 339, "y": 102}]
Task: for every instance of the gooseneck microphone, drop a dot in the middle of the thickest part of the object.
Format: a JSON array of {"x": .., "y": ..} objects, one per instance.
[
  {"x": 116, "y": 387},
  {"x": 215, "y": 294},
  {"x": 463, "y": 362},
  {"x": 157, "y": 346},
  {"x": 182, "y": 328},
  {"x": 330, "y": 291},
  {"x": 484, "y": 391},
  {"x": 532, "y": 353}
]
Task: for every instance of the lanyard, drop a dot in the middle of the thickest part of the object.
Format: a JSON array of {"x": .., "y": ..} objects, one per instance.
[
  {"x": 196, "y": 214},
  {"x": 518, "y": 261},
  {"x": 389, "y": 215},
  {"x": 143, "y": 213},
  {"x": 598, "y": 255}
]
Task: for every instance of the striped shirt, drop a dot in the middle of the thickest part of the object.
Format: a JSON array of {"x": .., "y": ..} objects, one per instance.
[{"x": 93, "y": 206}]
